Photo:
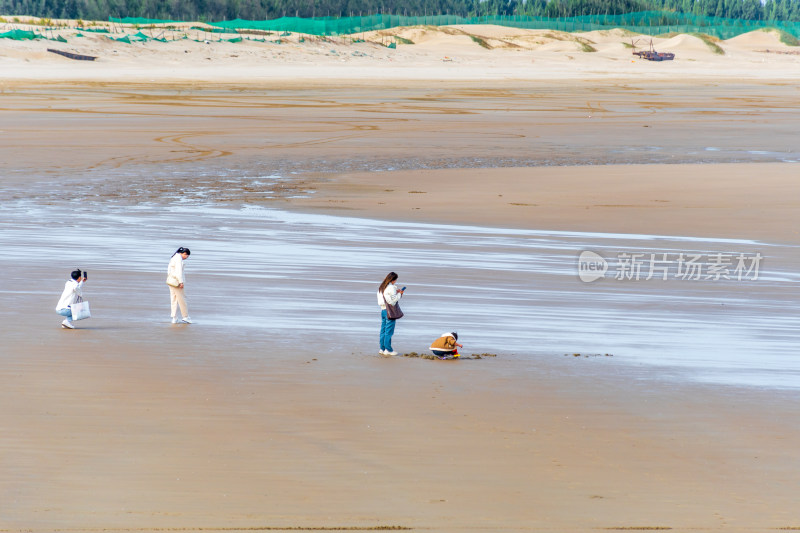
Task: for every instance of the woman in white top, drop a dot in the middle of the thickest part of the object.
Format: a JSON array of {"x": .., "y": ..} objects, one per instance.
[
  {"x": 388, "y": 293},
  {"x": 175, "y": 280},
  {"x": 72, "y": 291}
]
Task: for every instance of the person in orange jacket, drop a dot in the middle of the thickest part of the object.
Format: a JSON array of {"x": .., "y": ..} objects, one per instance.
[{"x": 446, "y": 346}]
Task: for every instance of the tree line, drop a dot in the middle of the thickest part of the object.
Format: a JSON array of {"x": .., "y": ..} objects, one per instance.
[{"x": 219, "y": 10}]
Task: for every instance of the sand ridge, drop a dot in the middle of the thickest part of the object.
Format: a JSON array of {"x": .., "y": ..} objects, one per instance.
[{"x": 698, "y": 200}]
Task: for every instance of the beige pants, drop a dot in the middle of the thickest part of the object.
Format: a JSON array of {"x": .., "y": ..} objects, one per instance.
[{"x": 178, "y": 299}]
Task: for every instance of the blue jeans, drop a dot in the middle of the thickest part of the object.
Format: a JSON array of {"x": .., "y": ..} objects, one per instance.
[
  {"x": 387, "y": 330},
  {"x": 67, "y": 312}
]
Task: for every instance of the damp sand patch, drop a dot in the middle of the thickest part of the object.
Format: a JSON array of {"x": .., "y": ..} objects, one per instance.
[{"x": 415, "y": 355}]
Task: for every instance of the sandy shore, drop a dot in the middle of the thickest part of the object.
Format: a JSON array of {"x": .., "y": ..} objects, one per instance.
[
  {"x": 151, "y": 136},
  {"x": 127, "y": 425},
  {"x": 697, "y": 200},
  {"x": 153, "y": 435}
]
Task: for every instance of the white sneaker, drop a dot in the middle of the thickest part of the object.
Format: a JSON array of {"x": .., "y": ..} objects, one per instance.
[
  {"x": 381, "y": 352},
  {"x": 174, "y": 320},
  {"x": 387, "y": 352},
  {"x": 187, "y": 320},
  {"x": 67, "y": 324}
]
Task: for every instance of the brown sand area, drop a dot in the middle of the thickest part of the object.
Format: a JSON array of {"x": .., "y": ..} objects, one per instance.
[
  {"x": 90, "y": 129},
  {"x": 139, "y": 436},
  {"x": 719, "y": 200},
  {"x": 115, "y": 428}
]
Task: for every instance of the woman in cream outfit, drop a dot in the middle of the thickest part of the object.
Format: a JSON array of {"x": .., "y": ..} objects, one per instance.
[{"x": 175, "y": 280}]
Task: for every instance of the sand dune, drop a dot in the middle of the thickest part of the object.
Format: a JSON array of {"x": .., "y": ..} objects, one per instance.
[
  {"x": 759, "y": 39},
  {"x": 685, "y": 44},
  {"x": 605, "y": 36},
  {"x": 473, "y": 52},
  {"x": 617, "y": 49},
  {"x": 560, "y": 46},
  {"x": 489, "y": 37}
]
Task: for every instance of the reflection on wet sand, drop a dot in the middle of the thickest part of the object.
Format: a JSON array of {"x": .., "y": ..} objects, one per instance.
[{"x": 517, "y": 291}]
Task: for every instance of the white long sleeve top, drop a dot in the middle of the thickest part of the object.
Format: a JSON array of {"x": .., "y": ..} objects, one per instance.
[
  {"x": 72, "y": 289},
  {"x": 176, "y": 267},
  {"x": 391, "y": 294}
]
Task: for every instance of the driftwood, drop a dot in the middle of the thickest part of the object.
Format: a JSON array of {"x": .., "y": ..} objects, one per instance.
[
  {"x": 70, "y": 55},
  {"x": 786, "y": 52}
]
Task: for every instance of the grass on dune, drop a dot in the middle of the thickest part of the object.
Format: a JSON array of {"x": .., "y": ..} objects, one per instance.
[
  {"x": 711, "y": 42},
  {"x": 785, "y": 37},
  {"x": 480, "y": 41}
]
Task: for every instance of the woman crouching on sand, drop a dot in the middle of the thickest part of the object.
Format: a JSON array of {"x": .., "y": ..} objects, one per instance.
[
  {"x": 175, "y": 281},
  {"x": 388, "y": 296}
]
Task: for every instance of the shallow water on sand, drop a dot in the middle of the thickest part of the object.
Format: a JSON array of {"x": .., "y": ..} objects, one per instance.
[{"x": 310, "y": 280}]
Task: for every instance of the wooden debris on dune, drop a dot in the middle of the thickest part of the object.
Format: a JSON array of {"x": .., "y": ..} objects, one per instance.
[
  {"x": 77, "y": 57},
  {"x": 652, "y": 55}
]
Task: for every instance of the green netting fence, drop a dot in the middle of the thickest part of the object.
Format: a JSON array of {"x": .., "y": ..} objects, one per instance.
[
  {"x": 138, "y": 37},
  {"x": 646, "y": 22},
  {"x": 25, "y": 35}
]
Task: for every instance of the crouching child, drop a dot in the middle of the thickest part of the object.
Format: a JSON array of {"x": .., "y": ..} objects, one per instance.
[{"x": 446, "y": 346}]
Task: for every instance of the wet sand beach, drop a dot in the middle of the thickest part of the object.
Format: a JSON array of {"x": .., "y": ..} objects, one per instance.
[
  {"x": 613, "y": 405},
  {"x": 750, "y": 201}
]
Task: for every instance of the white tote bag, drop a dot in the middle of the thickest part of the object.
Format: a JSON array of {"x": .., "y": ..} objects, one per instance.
[{"x": 80, "y": 310}]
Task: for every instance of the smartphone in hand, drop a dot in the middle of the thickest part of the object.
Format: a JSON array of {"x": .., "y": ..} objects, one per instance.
[{"x": 403, "y": 289}]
